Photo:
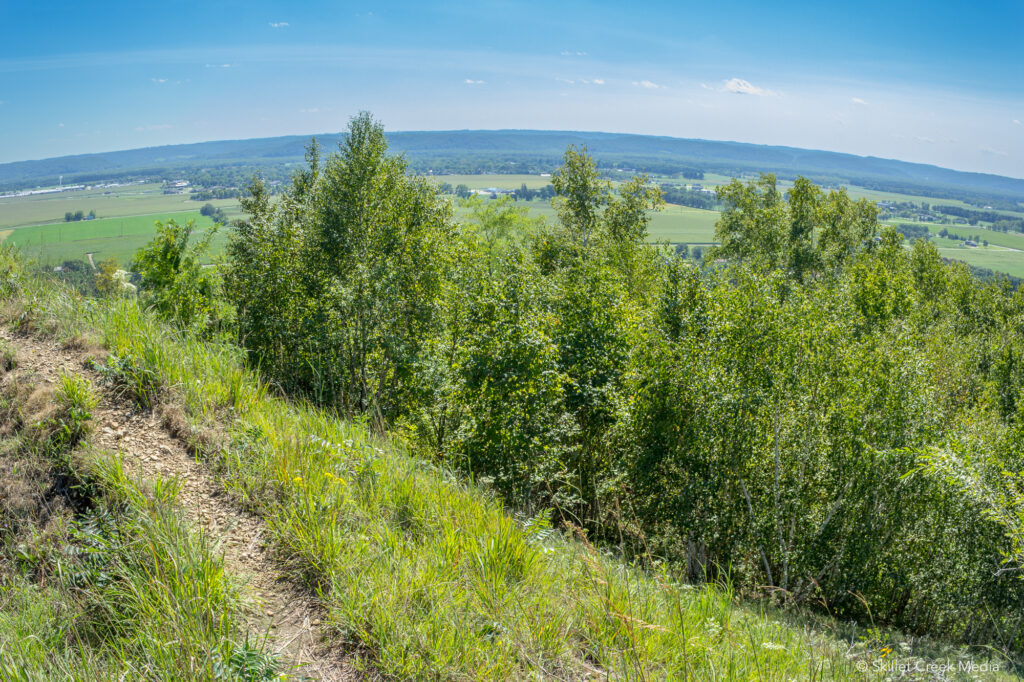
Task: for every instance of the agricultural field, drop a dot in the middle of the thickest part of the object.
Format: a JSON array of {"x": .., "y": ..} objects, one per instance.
[
  {"x": 495, "y": 181},
  {"x": 127, "y": 215},
  {"x": 992, "y": 257},
  {"x": 107, "y": 202},
  {"x": 674, "y": 224},
  {"x": 54, "y": 243}
]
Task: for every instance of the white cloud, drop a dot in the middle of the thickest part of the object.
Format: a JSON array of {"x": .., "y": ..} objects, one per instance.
[
  {"x": 858, "y": 100},
  {"x": 218, "y": 66},
  {"x": 278, "y": 24},
  {"x": 647, "y": 84},
  {"x": 1015, "y": 121},
  {"x": 153, "y": 126},
  {"x": 470, "y": 81},
  {"x": 569, "y": 53},
  {"x": 993, "y": 152},
  {"x": 158, "y": 80},
  {"x": 596, "y": 81},
  {"x": 742, "y": 87},
  {"x": 706, "y": 86},
  {"x": 924, "y": 139},
  {"x": 60, "y": 125}
]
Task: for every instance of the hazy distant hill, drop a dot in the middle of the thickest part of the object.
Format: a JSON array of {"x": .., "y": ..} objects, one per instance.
[{"x": 519, "y": 150}]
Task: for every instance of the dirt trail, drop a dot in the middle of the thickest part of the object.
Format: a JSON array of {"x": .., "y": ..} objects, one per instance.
[{"x": 290, "y": 614}]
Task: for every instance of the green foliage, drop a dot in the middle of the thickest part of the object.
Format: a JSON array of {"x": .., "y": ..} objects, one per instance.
[
  {"x": 764, "y": 420},
  {"x": 426, "y": 575},
  {"x": 175, "y": 282},
  {"x": 337, "y": 286},
  {"x": 805, "y": 233}
]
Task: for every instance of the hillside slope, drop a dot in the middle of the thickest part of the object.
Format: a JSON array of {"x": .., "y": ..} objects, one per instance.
[{"x": 418, "y": 574}]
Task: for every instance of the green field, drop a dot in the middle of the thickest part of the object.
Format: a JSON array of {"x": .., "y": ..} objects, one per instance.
[
  {"x": 36, "y": 223},
  {"x": 496, "y": 181},
  {"x": 996, "y": 258},
  {"x": 119, "y": 238},
  {"x": 109, "y": 202},
  {"x": 675, "y": 224}
]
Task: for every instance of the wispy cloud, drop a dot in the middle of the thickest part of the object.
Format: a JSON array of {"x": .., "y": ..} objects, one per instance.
[
  {"x": 927, "y": 140},
  {"x": 744, "y": 87},
  {"x": 60, "y": 125},
  {"x": 858, "y": 100},
  {"x": 218, "y": 66},
  {"x": 650, "y": 85},
  {"x": 470, "y": 81},
  {"x": 149, "y": 127},
  {"x": 1016, "y": 122},
  {"x": 992, "y": 152},
  {"x": 583, "y": 81},
  {"x": 570, "y": 53},
  {"x": 158, "y": 80},
  {"x": 278, "y": 24},
  {"x": 311, "y": 110}
]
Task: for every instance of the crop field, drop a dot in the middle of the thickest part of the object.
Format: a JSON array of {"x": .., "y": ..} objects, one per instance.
[
  {"x": 108, "y": 202},
  {"x": 1010, "y": 240},
  {"x": 52, "y": 244},
  {"x": 675, "y": 224},
  {"x": 996, "y": 258}
]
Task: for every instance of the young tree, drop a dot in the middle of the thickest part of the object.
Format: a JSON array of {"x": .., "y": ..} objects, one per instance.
[
  {"x": 174, "y": 280},
  {"x": 368, "y": 245}
]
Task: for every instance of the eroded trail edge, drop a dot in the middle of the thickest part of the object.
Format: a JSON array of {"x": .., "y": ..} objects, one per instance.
[{"x": 148, "y": 450}]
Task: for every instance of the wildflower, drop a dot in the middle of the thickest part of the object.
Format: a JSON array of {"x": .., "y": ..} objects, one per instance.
[
  {"x": 772, "y": 646},
  {"x": 297, "y": 479}
]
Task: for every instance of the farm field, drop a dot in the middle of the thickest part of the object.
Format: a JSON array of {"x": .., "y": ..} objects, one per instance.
[
  {"x": 1010, "y": 240},
  {"x": 52, "y": 244},
  {"x": 127, "y": 214},
  {"x": 675, "y": 224},
  {"x": 108, "y": 202},
  {"x": 495, "y": 181},
  {"x": 995, "y": 258}
]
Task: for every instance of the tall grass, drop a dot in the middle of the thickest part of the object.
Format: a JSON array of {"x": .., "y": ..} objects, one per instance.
[{"x": 102, "y": 578}]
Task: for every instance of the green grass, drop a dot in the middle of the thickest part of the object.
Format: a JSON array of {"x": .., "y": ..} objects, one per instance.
[
  {"x": 104, "y": 238},
  {"x": 1011, "y": 240},
  {"x": 675, "y": 224},
  {"x": 426, "y": 573},
  {"x": 116, "y": 586},
  {"x": 994, "y": 258},
  {"x": 114, "y": 202}
]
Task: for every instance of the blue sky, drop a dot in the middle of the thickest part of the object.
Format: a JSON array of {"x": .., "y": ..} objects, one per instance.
[{"x": 938, "y": 83}]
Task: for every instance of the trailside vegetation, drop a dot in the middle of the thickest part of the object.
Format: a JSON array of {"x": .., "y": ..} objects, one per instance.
[{"x": 817, "y": 411}]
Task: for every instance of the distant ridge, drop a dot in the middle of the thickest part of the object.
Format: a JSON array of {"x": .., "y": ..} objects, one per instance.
[{"x": 534, "y": 148}]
